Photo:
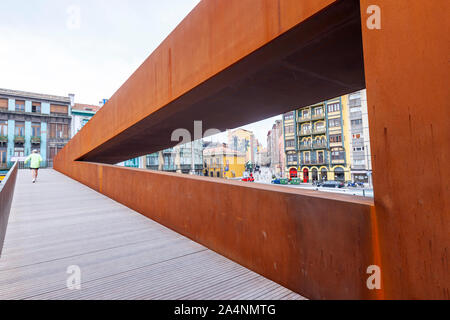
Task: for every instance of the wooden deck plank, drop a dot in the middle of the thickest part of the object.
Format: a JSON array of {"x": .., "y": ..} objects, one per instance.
[{"x": 59, "y": 222}]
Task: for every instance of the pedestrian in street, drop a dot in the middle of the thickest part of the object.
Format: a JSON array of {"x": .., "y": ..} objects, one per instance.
[{"x": 35, "y": 162}]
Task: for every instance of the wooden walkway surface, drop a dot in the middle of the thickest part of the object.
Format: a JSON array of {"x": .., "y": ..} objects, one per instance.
[{"x": 58, "y": 222}]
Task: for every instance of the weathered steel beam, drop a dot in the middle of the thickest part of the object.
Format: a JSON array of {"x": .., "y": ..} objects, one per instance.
[{"x": 234, "y": 62}]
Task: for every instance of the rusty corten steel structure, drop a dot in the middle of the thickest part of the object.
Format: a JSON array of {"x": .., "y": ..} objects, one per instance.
[
  {"x": 6, "y": 198},
  {"x": 233, "y": 62}
]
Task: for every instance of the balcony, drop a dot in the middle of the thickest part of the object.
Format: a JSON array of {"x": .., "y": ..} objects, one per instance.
[
  {"x": 313, "y": 162},
  {"x": 304, "y": 119},
  {"x": 169, "y": 167},
  {"x": 19, "y": 139},
  {"x": 319, "y": 145},
  {"x": 305, "y": 132},
  {"x": 320, "y": 131},
  {"x": 305, "y": 147},
  {"x": 36, "y": 140},
  {"x": 318, "y": 116},
  {"x": 3, "y": 138}
]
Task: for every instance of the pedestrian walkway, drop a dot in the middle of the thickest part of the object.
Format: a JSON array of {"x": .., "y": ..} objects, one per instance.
[{"x": 58, "y": 222}]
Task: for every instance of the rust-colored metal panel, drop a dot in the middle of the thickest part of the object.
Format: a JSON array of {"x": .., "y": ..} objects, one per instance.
[
  {"x": 265, "y": 55},
  {"x": 407, "y": 75},
  {"x": 260, "y": 58},
  {"x": 314, "y": 243},
  {"x": 6, "y": 197}
]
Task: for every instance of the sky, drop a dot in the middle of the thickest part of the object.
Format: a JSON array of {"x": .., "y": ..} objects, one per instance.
[{"x": 86, "y": 47}]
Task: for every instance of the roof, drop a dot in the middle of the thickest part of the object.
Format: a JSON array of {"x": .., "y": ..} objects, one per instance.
[
  {"x": 31, "y": 95},
  {"x": 85, "y": 107}
]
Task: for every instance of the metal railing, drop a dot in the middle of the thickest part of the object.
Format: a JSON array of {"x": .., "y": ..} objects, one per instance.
[
  {"x": 21, "y": 165},
  {"x": 6, "y": 195}
]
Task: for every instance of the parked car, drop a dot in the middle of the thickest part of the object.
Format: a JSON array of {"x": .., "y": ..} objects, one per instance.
[
  {"x": 249, "y": 178},
  {"x": 351, "y": 184},
  {"x": 332, "y": 184},
  {"x": 276, "y": 181}
]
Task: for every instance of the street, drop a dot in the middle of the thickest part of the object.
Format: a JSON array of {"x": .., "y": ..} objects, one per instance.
[{"x": 265, "y": 177}]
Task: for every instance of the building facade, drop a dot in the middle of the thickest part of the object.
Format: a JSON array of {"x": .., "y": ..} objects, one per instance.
[
  {"x": 244, "y": 142},
  {"x": 223, "y": 162},
  {"x": 31, "y": 121},
  {"x": 276, "y": 148},
  {"x": 360, "y": 156},
  {"x": 187, "y": 159},
  {"x": 81, "y": 114},
  {"x": 317, "y": 142}
]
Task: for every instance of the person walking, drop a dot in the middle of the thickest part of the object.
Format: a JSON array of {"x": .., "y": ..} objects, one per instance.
[{"x": 35, "y": 162}]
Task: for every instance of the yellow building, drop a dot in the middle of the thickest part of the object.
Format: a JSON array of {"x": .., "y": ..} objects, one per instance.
[
  {"x": 223, "y": 162},
  {"x": 319, "y": 147},
  {"x": 244, "y": 142}
]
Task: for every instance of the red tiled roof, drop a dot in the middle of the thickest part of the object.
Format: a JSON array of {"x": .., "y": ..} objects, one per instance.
[{"x": 85, "y": 107}]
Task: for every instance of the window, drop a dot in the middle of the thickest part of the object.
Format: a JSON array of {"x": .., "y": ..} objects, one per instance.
[
  {"x": 305, "y": 143},
  {"x": 36, "y": 129},
  {"x": 335, "y": 138},
  {"x": 18, "y": 152},
  {"x": 84, "y": 121},
  {"x": 292, "y": 158},
  {"x": 318, "y": 111},
  {"x": 306, "y": 157},
  {"x": 218, "y": 174},
  {"x": 358, "y": 162},
  {"x": 36, "y": 107},
  {"x": 153, "y": 159},
  {"x": 3, "y": 103},
  {"x": 355, "y": 109},
  {"x": 337, "y": 154},
  {"x": 306, "y": 128},
  {"x": 320, "y": 126},
  {"x": 59, "y": 131},
  {"x": 305, "y": 113},
  {"x": 290, "y": 143},
  {"x": 3, "y": 128},
  {"x": 333, "y": 123},
  {"x": 289, "y": 129},
  {"x": 59, "y": 109},
  {"x": 20, "y": 129},
  {"x": 320, "y": 157},
  {"x": 358, "y": 149},
  {"x": 334, "y": 107},
  {"x": 3, "y": 157},
  {"x": 356, "y": 122},
  {"x": 289, "y": 116},
  {"x": 20, "y": 105}
]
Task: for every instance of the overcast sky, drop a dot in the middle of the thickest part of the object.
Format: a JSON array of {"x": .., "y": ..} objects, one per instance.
[{"x": 87, "y": 47}]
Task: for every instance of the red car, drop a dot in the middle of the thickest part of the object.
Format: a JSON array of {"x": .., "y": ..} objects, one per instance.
[{"x": 249, "y": 179}]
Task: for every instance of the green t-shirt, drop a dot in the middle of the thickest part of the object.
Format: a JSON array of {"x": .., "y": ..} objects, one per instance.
[{"x": 35, "y": 160}]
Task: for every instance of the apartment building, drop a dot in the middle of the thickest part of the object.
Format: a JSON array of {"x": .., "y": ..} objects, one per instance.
[
  {"x": 317, "y": 144},
  {"x": 31, "y": 121},
  {"x": 187, "y": 159},
  {"x": 360, "y": 156},
  {"x": 81, "y": 114}
]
